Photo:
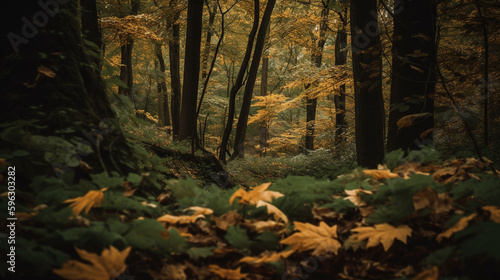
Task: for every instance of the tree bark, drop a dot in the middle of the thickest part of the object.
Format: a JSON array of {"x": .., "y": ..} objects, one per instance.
[
  {"x": 163, "y": 109},
  {"x": 264, "y": 131},
  {"x": 126, "y": 68},
  {"x": 191, "y": 70},
  {"x": 208, "y": 41},
  {"x": 238, "y": 84},
  {"x": 175, "y": 72},
  {"x": 239, "y": 141},
  {"x": 367, "y": 73},
  {"x": 413, "y": 74},
  {"x": 339, "y": 99}
]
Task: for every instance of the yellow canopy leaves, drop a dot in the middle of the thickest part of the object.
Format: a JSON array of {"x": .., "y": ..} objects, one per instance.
[{"x": 384, "y": 234}]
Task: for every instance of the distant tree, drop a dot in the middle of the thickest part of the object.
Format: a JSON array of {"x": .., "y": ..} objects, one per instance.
[
  {"x": 163, "y": 108},
  {"x": 173, "y": 27},
  {"x": 191, "y": 70},
  {"x": 239, "y": 139},
  {"x": 126, "y": 70},
  {"x": 339, "y": 98},
  {"x": 367, "y": 74},
  {"x": 413, "y": 74}
]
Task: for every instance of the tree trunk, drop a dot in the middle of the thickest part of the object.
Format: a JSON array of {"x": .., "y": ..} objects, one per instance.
[
  {"x": 208, "y": 41},
  {"x": 239, "y": 141},
  {"x": 175, "y": 72},
  {"x": 90, "y": 26},
  {"x": 316, "y": 58},
  {"x": 263, "y": 131},
  {"x": 69, "y": 94},
  {"x": 339, "y": 99},
  {"x": 413, "y": 74},
  {"x": 367, "y": 73},
  {"x": 163, "y": 110},
  {"x": 126, "y": 74},
  {"x": 238, "y": 84},
  {"x": 191, "y": 70}
]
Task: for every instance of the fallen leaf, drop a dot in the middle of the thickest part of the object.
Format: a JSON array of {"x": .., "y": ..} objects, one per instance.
[
  {"x": 109, "y": 265},
  {"x": 271, "y": 209},
  {"x": 91, "y": 199},
  {"x": 46, "y": 71},
  {"x": 321, "y": 239},
  {"x": 227, "y": 220},
  {"x": 355, "y": 198},
  {"x": 230, "y": 274},
  {"x": 384, "y": 234},
  {"x": 410, "y": 120},
  {"x": 199, "y": 210},
  {"x": 424, "y": 198},
  {"x": 261, "y": 226},
  {"x": 429, "y": 274},
  {"x": 179, "y": 219},
  {"x": 267, "y": 257},
  {"x": 258, "y": 193},
  {"x": 380, "y": 174},
  {"x": 460, "y": 225},
  {"x": 495, "y": 213}
]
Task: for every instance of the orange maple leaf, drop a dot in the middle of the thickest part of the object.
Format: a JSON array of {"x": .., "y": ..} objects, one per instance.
[
  {"x": 382, "y": 233},
  {"x": 355, "y": 198},
  {"x": 460, "y": 225},
  {"x": 109, "y": 265},
  {"x": 91, "y": 199},
  {"x": 258, "y": 193},
  {"x": 267, "y": 257},
  {"x": 271, "y": 209},
  {"x": 380, "y": 174},
  {"x": 321, "y": 239},
  {"x": 199, "y": 210},
  {"x": 230, "y": 274},
  {"x": 179, "y": 219}
]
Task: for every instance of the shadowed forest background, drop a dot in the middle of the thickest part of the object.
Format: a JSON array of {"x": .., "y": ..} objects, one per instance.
[{"x": 248, "y": 139}]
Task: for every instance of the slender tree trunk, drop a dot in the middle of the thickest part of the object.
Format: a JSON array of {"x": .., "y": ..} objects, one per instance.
[
  {"x": 317, "y": 57},
  {"x": 208, "y": 41},
  {"x": 175, "y": 72},
  {"x": 413, "y": 74},
  {"x": 126, "y": 68},
  {"x": 239, "y": 142},
  {"x": 339, "y": 99},
  {"x": 191, "y": 70},
  {"x": 163, "y": 109},
  {"x": 264, "y": 131},
  {"x": 484, "y": 27},
  {"x": 238, "y": 84},
  {"x": 367, "y": 73}
]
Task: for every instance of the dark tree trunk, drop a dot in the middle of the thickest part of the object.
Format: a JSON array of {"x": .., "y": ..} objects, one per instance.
[
  {"x": 90, "y": 26},
  {"x": 208, "y": 41},
  {"x": 239, "y": 141},
  {"x": 317, "y": 57},
  {"x": 367, "y": 72},
  {"x": 69, "y": 94},
  {"x": 163, "y": 110},
  {"x": 238, "y": 84},
  {"x": 413, "y": 74},
  {"x": 126, "y": 74},
  {"x": 191, "y": 70},
  {"x": 339, "y": 99},
  {"x": 264, "y": 81},
  {"x": 175, "y": 72}
]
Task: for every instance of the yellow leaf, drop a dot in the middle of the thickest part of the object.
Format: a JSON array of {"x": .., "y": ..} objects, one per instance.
[
  {"x": 258, "y": 193},
  {"x": 355, "y": 198},
  {"x": 109, "y": 265},
  {"x": 91, "y": 199},
  {"x": 267, "y": 257},
  {"x": 321, "y": 239},
  {"x": 429, "y": 274},
  {"x": 460, "y": 225},
  {"x": 495, "y": 213},
  {"x": 271, "y": 209},
  {"x": 410, "y": 120},
  {"x": 380, "y": 174},
  {"x": 383, "y": 233},
  {"x": 200, "y": 210},
  {"x": 230, "y": 274},
  {"x": 179, "y": 219}
]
